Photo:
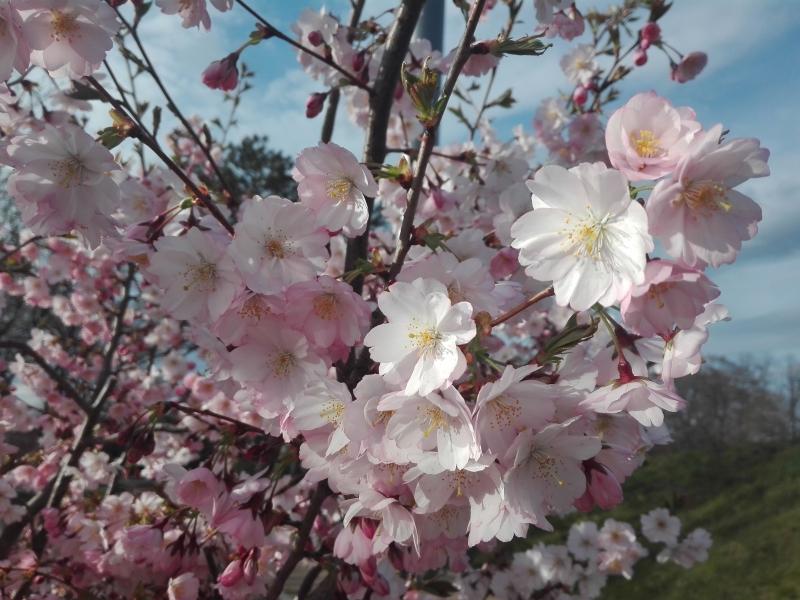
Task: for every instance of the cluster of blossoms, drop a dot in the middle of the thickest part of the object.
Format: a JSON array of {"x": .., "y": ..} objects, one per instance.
[
  {"x": 581, "y": 567},
  {"x": 390, "y": 376}
]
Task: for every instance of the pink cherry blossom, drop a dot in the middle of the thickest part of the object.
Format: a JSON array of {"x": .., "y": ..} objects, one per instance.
[
  {"x": 647, "y": 137},
  {"x": 193, "y": 13},
  {"x": 419, "y": 344},
  {"x": 14, "y": 50},
  {"x": 277, "y": 244},
  {"x": 690, "y": 67},
  {"x": 696, "y": 213},
  {"x": 61, "y": 182},
  {"x": 199, "y": 278},
  {"x": 584, "y": 234},
  {"x": 334, "y": 185},
  {"x": 70, "y": 37},
  {"x": 545, "y": 470},
  {"x": 328, "y": 311},
  {"x": 438, "y": 421},
  {"x": 641, "y": 398},
  {"x": 185, "y": 586},
  {"x": 671, "y": 295},
  {"x": 511, "y": 404}
]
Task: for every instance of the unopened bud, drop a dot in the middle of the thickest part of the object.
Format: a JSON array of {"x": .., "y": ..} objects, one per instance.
[{"x": 314, "y": 104}]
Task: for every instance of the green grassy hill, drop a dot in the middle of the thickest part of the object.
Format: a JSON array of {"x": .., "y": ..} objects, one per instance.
[{"x": 748, "y": 498}]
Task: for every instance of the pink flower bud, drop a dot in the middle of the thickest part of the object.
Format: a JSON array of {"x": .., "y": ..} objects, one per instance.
[
  {"x": 250, "y": 568},
  {"x": 639, "y": 57},
  {"x": 314, "y": 104},
  {"x": 232, "y": 574},
  {"x": 315, "y": 38},
  {"x": 504, "y": 263},
  {"x": 651, "y": 32},
  {"x": 604, "y": 488},
  {"x": 222, "y": 74},
  {"x": 690, "y": 67},
  {"x": 580, "y": 95}
]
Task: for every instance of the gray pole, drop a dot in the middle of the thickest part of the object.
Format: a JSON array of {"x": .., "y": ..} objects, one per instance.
[{"x": 431, "y": 23}]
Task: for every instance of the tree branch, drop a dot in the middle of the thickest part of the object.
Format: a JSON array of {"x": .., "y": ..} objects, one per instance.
[
  {"x": 141, "y": 133},
  {"x": 429, "y": 137},
  {"x": 303, "y": 533},
  {"x": 380, "y": 108},
  {"x": 282, "y": 36}
]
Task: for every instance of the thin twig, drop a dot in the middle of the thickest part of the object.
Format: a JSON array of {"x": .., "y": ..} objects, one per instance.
[
  {"x": 202, "y": 197},
  {"x": 523, "y": 306},
  {"x": 282, "y": 36}
]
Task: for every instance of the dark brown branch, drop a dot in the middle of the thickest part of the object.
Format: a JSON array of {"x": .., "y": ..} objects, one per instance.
[
  {"x": 320, "y": 493},
  {"x": 380, "y": 108},
  {"x": 429, "y": 137},
  {"x": 62, "y": 384}
]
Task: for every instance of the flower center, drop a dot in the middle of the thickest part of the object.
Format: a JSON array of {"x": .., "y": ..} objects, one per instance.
[
  {"x": 282, "y": 364},
  {"x": 546, "y": 466},
  {"x": 326, "y": 306},
  {"x": 204, "y": 274},
  {"x": 646, "y": 144},
  {"x": 426, "y": 340},
  {"x": 63, "y": 25},
  {"x": 253, "y": 309},
  {"x": 68, "y": 172},
  {"x": 339, "y": 189},
  {"x": 589, "y": 237},
  {"x": 505, "y": 412},
  {"x": 277, "y": 246},
  {"x": 332, "y": 411},
  {"x": 433, "y": 419},
  {"x": 705, "y": 197},
  {"x": 656, "y": 292}
]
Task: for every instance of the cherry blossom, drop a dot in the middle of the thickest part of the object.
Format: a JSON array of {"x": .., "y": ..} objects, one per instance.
[
  {"x": 585, "y": 234},
  {"x": 332, "y": 183},
  {"x": 696, "y": 213},
  {"x": 198, "y": 277},
  {"x": 277, "y": 244},
  {"x": 61, "y": 182},
  {"x": 70, "y": 37},
  {"x": 419, "y": 344},
  {"x": 671, "y": 295},
  {"x": 647, "y": 137}
]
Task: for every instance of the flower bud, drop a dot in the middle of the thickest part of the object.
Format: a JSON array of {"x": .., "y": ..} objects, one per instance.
[
  {"x": 690, "y": 67},
  {"x": 639, "y": 57},
  {"x": 232, "y": 574},
  {"x": 314, "y": 104},
  {"x": 222, "y": 74},
  {"x": 651, "y": 32},
  {"x": 580, "y": 95},
  {"x": 315, "y": 38}
]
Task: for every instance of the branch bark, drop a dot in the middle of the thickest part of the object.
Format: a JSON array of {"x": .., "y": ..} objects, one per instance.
[{"x": 380, "y": 106}]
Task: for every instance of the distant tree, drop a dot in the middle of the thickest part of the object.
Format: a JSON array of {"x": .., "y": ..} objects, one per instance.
[
  {"x": 730, "y": 401},
  {"x": 251, "y": 168}
]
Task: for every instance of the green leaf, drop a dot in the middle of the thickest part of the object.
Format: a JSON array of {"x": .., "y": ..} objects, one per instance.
[
  {"x": 572, "y": 335},
  {"x": 505, "y": 100},
  {"x": 529, "y": 45},
  {"x": 110, "y": 137}
]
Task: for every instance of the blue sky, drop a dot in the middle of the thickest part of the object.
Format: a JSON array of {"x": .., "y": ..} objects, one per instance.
[{"x": 751, "y": 85}]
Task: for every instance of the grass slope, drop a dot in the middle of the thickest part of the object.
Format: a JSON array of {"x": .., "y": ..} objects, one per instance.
[{"x": 748, "y": 498}]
